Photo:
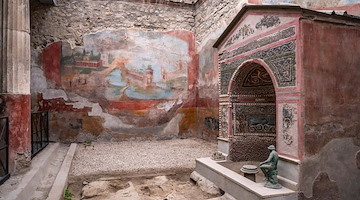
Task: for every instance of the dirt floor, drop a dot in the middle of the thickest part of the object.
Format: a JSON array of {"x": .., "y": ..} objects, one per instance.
[
  {"x": 138, "y": 170},
  {"x": 166, "y": 187},
  {"x": 139, "y": 157}
]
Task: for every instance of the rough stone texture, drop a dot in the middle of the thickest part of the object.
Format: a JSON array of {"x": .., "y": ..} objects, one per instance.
[
  {"x": 134, "y": 157},
  {"x": 211, "y": 19},
  {"x": 204, "y": 184},
  {"x": 250, "y": 148},
  {"x": 226, "y": 196},
  {"x": 95, "y": 188},
  {"x": 71, "y": 20},
  {"x": 214, "y": 14},
  {"x": 170, "y": 187},
  {"x": 323, "y": 189}
]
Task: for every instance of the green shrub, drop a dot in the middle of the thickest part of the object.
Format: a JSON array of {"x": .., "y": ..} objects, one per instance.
[{"x": 68, "y": 195}]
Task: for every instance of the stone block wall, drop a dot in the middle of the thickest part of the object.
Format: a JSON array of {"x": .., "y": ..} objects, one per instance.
[
  {"x": 114, "y": 70},
  {"x": 71, "y": 20},
  {"x": 211, "y": 19}
]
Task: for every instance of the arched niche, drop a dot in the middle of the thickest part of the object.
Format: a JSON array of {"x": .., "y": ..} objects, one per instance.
[{"x": 253, "y": 112}]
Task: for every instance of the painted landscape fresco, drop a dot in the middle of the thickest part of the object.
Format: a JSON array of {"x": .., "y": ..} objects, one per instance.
[{"x": 127, "y": 65}]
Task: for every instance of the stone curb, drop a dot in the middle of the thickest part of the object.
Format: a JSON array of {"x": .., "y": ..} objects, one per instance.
[
  {"x": 31, "y": 179},
  {"x": 60, "y": 183}
]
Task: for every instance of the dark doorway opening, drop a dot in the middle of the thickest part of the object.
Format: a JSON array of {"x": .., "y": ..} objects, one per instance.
[
  {"x": 4, "y": 149},
  {"x": 39, "y": 132}
]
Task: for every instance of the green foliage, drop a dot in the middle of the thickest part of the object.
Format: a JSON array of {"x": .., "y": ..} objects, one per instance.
[
  {"x": 88, "y": 144},
  {"x": 68, "y": 195}
]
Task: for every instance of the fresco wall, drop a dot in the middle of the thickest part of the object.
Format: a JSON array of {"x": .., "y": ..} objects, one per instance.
[
  {"x": 331, "y": 117},
  {"x": 123, "y": 83}
]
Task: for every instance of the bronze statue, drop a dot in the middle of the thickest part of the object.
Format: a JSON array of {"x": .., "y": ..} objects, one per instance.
[{"x": 270, "y": 171}]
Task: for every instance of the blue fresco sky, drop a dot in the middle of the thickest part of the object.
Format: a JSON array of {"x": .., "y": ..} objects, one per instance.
[
  {"x": 143, "y": 49},
  {"x": 157, "y": 50}
]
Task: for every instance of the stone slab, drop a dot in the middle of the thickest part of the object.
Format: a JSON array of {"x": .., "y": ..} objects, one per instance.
[
  {"x": 60, "y": 183},
  {"x": 223, "y": 146},
  {"x": 239, "y": 186},
  {"x": 32, "y": 178},
  {"x": 289, "y": 168}
]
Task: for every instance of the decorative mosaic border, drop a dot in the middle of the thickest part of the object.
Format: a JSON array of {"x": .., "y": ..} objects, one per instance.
[
  {"x": 283, "y": 34},
  {"x": 281, "y": 60},
  {"x": 223, "y": 118},
  {"x": 244, "y": 114}
]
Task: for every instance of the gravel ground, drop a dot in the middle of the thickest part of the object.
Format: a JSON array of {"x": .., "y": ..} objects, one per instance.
[{"x": 139, "y": 157}]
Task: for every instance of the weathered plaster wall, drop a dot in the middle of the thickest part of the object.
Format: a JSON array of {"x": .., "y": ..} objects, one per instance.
[
  {"x": 131, "y": 84},
  {"x": 211, "y": 19},
  {"x": 331, "y": 118},
  {"x": 123, "y": 69},
  {"x": 17, "y": 108},
  {"x": 72, "y": 21},
  {"x": 15, "y": 82}
]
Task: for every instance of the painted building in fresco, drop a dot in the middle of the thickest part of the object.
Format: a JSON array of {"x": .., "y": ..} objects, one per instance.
[{"x": 120, "y": 74}]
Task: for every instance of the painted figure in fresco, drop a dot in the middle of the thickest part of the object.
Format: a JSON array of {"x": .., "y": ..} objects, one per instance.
[{"x": 269, "y": 168}]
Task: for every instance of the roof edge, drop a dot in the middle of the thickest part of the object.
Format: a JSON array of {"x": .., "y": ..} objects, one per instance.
[{"x": 293, "y": 8}]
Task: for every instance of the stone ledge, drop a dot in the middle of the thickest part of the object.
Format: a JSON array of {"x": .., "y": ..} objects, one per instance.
[
  {"x": 31, "y": 179},
  {"x": 237, "y": 185},
  {"x": 60, "y": 183}
]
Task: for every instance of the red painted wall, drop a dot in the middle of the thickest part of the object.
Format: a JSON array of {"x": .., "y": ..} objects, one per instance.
[
  {"x": 18, "y": 111},
  {"x": 331, "y": 69},
  {"x": 51, "y": 58},
  {"x": 331, "y": 64}
]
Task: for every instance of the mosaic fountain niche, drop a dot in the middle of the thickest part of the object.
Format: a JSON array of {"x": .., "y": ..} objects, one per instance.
[
  {"x": 260, "y": 102},
  {"x": 248, "y": 118}
]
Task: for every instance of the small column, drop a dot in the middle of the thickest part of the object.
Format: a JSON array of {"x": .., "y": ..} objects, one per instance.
[
  {"x": 15, "y": 78},
  {"x": 230, "y": 126}
]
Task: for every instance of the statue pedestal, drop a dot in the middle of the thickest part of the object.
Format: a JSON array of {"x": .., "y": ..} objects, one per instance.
[{"x": 249, "y": 171}]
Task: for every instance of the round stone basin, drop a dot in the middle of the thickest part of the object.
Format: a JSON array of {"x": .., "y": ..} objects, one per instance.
[{"x": 249, "y": 169}]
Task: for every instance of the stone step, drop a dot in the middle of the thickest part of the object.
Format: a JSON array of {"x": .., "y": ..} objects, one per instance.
[
  {"x": 43, "y": 189},
  {"x": 27, "y": 183},
  {"x": 61, "y": 180}
]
